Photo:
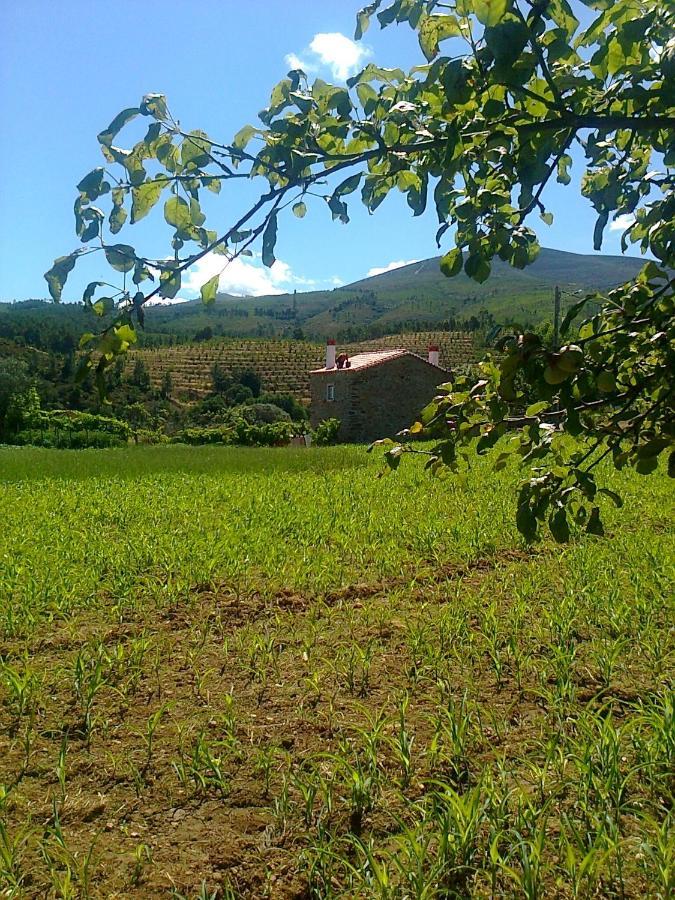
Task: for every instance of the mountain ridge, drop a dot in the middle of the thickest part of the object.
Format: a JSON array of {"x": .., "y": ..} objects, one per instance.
[{"x": 414, "y": 297}]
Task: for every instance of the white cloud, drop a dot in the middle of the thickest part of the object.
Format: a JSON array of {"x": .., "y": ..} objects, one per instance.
[
  {"x": 332, "y": 50},
  {"x": 294, "y": 62},
  {"x": 243, "y": 277},
  {"x": 622, "y": 222},
  {"x": 380, "y": 270}
]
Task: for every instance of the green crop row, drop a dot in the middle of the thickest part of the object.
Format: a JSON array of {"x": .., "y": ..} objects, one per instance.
[{"x": 240, "y": 672}]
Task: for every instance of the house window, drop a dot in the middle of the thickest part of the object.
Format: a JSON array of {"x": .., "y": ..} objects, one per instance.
[{"x": 330, "y": 392}]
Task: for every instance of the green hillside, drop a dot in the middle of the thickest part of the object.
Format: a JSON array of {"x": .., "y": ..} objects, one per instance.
[
  {"x": 416, "y": 297},
  {"x": 413, "y": 297}
]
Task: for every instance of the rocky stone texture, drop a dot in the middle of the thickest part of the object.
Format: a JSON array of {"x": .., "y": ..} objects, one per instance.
[{"x": 377, "y": 400}]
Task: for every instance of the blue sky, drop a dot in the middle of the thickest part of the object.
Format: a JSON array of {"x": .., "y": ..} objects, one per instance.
[{"x": 66, "y": 69}]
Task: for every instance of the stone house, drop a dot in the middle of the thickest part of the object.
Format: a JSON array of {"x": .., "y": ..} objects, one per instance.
[{"x": 376, "y": 394}]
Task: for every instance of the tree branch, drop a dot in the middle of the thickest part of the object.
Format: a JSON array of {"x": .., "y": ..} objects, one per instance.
[{"x": 552, "y": 167}]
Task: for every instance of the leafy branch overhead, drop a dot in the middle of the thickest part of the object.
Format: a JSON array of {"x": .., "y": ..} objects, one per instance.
[{"x": 509, "y": 96}]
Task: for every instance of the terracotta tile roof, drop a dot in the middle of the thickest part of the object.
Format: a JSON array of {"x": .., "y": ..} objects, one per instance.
[{"x": 373, "y": 358}]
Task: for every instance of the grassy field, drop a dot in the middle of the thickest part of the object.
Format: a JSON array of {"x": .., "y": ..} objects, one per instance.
[{"x": 270, "y": 673}]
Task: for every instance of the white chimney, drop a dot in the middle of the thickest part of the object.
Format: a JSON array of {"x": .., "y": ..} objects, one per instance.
[
  {"x": 433, "y": 354},
  {"x": 330, "y": 354}
]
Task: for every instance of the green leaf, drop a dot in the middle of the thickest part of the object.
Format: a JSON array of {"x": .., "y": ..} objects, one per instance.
[
  {"x": 304, "y": 102},
  {"x": 197, "y": 217},
  {"x": 209, "y": 290},
  {"x": 433, "y": 29},
  {"x": 507, "y": 41},
  {"x": 363, "y": 19},
  {"x": 564, "y": 163},
  {"x": 243, "y": 136},
  {"x": 537, "y": 408},
  {"x": 144, "y": 197},
  {"x": 269, "y": 241},
  {"x": 477, "y": 267},
  {"x": 599, "y": 229},
  {"x": 154, "y": 105},
  {"x": 90, "y": 290},
  {"x": 490, "y": 12},
  {"x": 126, "y": 333},
  {"x": 451, "y": 263},
  {"x": 177, "y": 213},
  {"x": 117, "y": 218},
  {"x": 606, "y": 382},
  {"x": 93, "y": 184},
  {"x": 572, "y": 313},
  {"x": 121, "y": 257},
  {"x": 106, "y": 136},
  {"x": 94, "y": 217},
  {"x": 169, "y": 156},
  {"x": 196, "y": 149},
  {"x": 300, "y": 209},
  {"x": 417, "y": 195},
  {"x": 103, "y": 306},
  {"x": 56, "y": 276},
  {"x": 212, "y": 184},
  {"x": 169, "y": 283},
  {"x": 338, "y": 208},
  {"x": 348, "y": 186}
]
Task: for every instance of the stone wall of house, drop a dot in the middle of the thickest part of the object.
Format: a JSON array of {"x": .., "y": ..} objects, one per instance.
[{"x": 376, "y": 401}]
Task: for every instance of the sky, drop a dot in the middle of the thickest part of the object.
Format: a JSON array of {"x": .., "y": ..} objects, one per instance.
[{"x": 67, "y": 68}]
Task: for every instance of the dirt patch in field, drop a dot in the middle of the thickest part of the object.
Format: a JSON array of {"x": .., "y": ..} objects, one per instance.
[{"x": 209, "y": 742}]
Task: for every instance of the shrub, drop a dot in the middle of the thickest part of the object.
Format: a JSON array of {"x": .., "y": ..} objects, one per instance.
[
  {"x": 210, "y": 411},
  {"x": 246, "y": 434},
  {"x": 61, "y": 439},
  {"x": 275, "y": 434},
  {"x": 75, "y": 430},
  {"x": 195, "y": 436},
  {"x": 289, "y": 403},
  {"x": 327, "y": 432},
  {"x": 263, "y": 414}
]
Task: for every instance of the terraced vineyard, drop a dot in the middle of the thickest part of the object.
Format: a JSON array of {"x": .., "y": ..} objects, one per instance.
[{"x": 284, "y": 366}]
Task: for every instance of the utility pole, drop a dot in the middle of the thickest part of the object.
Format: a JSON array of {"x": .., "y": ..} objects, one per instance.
[{"x": 556, "y": 318}]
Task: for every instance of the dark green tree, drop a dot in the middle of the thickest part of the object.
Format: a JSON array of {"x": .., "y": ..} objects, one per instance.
[
  {"x": 166, "y": 387},
  {"x": 249, "y": 378},
  {"x": 221, "y": 380},
  {"x": 140, "y": 375},
  {"x": 15, "y": 382},
  {"x": 510, "y": 95}
]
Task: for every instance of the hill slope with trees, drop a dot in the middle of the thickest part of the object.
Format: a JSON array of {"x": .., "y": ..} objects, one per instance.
[{"x": 417, "y": 297}]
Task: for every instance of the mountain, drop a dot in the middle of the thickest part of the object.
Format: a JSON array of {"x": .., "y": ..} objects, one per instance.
[
  {"x": 569, "y": 270},
  {"x": 417, "y": 295},
  {"x": 412, "y": 298}
]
